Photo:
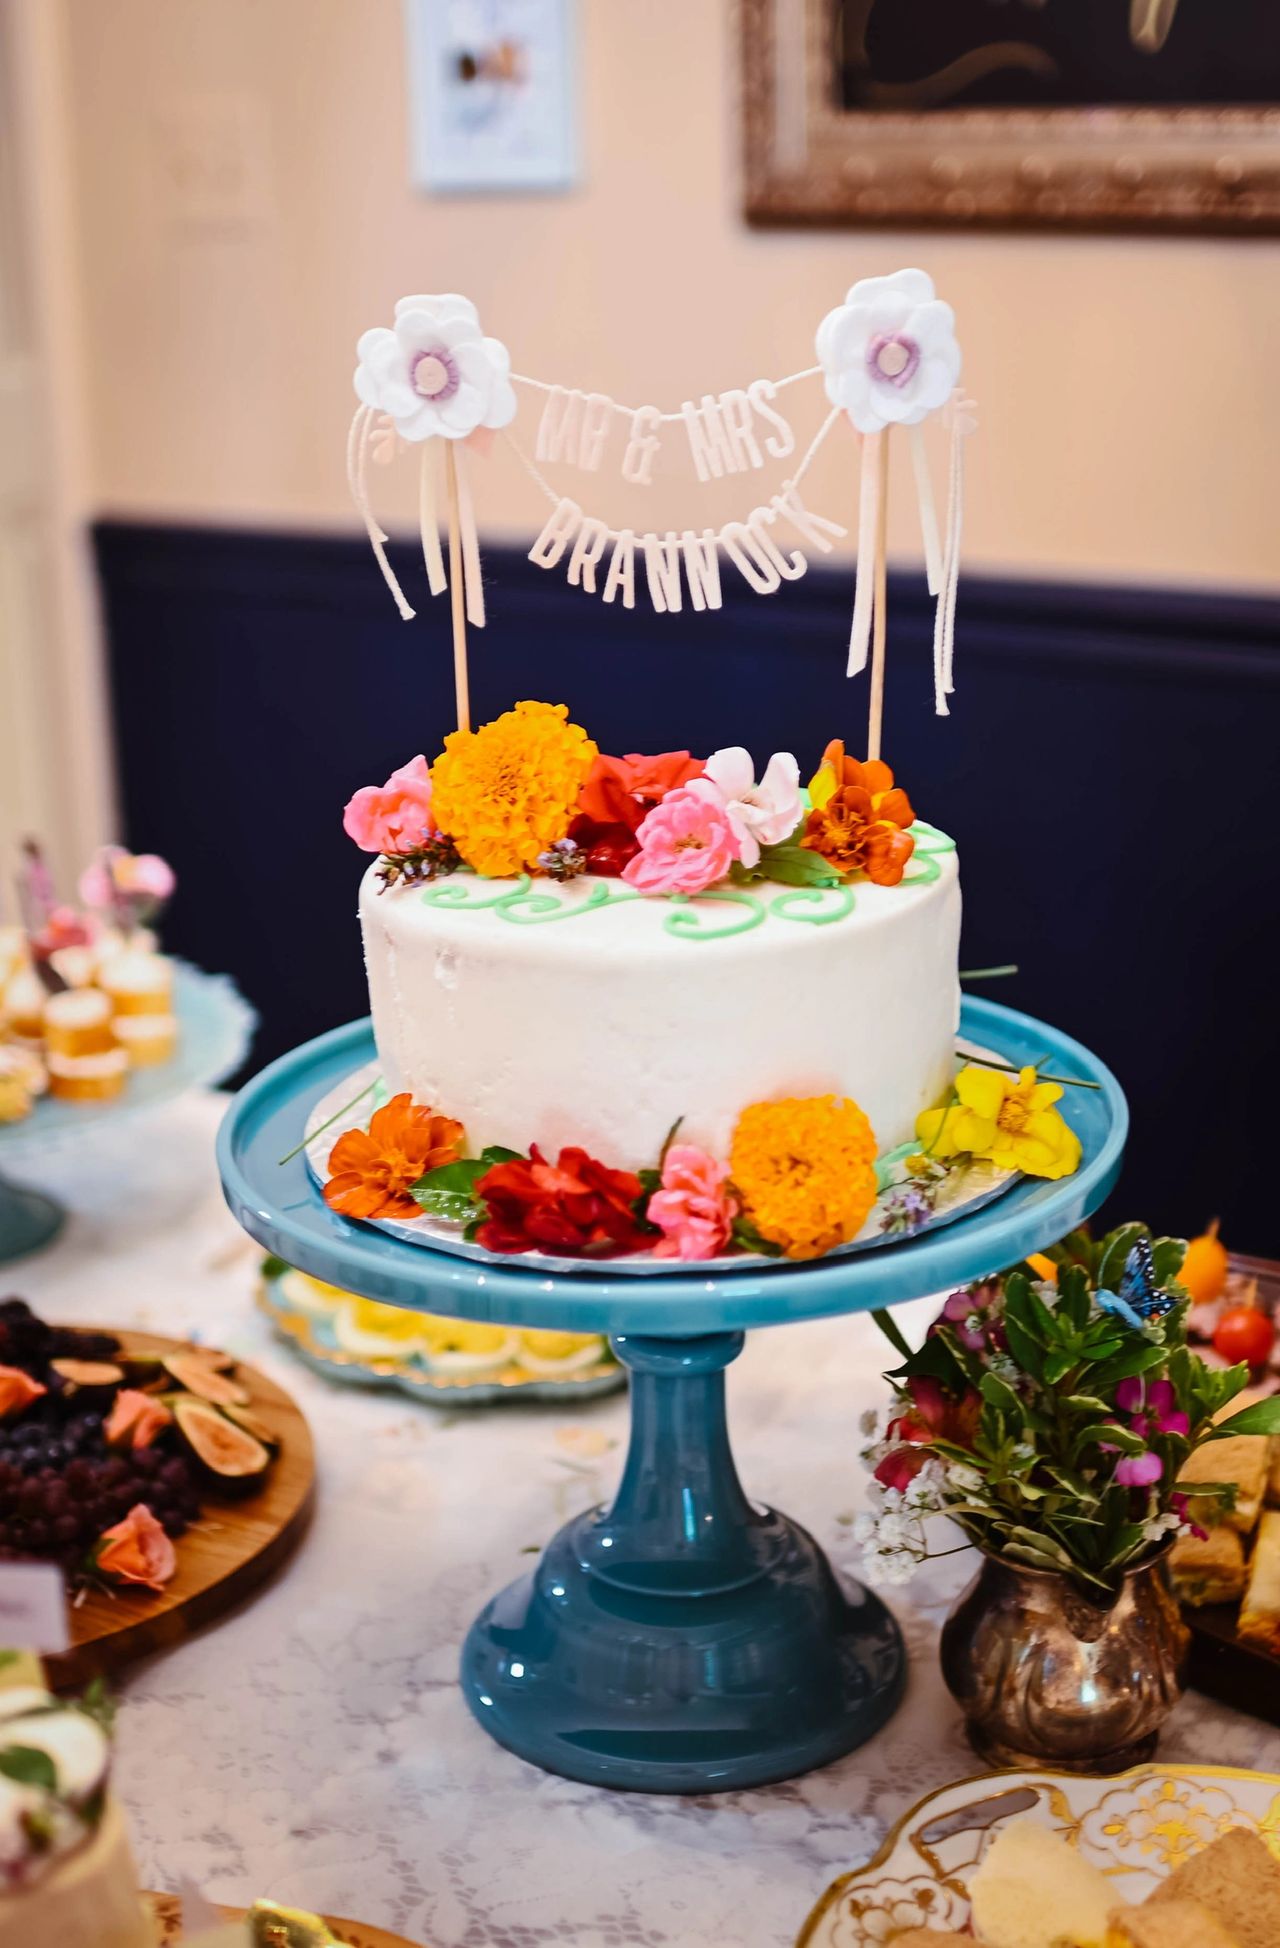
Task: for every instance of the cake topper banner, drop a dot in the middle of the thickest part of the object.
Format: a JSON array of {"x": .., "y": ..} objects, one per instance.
[{"x": 887, "y": 357}]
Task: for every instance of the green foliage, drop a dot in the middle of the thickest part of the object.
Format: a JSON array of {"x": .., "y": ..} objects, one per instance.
[
  {"x": 1033, "y": 1412},
  {"x": 450, "y": 1191},
  {"x": 27, "y": 1765}
]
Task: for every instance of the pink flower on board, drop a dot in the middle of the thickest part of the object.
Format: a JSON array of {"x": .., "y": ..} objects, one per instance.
[
  {"x": 693, "y": 1210},
  {"x": 395, "y": 817},
  {"x": 760, "y": 814},
  {"x": 686, "y": 842}
]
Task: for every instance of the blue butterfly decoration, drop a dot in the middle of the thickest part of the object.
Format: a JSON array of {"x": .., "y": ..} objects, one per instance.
[{"x": 1139, "y": 1299}]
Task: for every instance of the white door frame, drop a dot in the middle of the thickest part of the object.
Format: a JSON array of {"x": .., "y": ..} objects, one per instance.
[{"x": 56, "y": 764}]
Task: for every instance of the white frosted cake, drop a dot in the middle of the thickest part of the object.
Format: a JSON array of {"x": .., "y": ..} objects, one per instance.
[
  {"x": 540, "y": 1018},
  {"x": 629, "y": 1004}
]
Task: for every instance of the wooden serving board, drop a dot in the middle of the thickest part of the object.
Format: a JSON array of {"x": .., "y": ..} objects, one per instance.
[
  {"x": 357, "y": 1934},
  {"x": 236, "y": 1544}
]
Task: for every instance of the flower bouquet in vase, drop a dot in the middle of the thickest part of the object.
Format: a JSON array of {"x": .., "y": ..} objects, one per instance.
[{"x": 1050, "y": 1413}]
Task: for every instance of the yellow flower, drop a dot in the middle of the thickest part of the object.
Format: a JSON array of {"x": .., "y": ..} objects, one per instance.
[
  {"x": 506, "y": 792},
  {"x": 1011, "y": 1123},
  {"x": 805, "y": 1171}
]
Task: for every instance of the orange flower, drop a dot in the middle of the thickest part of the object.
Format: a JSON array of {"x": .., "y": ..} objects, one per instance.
[
  {"x": 373, "y": 1171},
  {"x": 136, "y": 1419},
  {"x": 859, "y": 818},
  {"x": 17, "y": 1390},
  {"x": 137, "y": 1550}
]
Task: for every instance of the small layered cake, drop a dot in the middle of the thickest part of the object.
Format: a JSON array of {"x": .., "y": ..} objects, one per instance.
[
  {"x": 85, "y": 1061},
  {"x": 22, "y": 1007},
  {"x": 67, "y": 1879},
  {"x": 139, "y": 987}
]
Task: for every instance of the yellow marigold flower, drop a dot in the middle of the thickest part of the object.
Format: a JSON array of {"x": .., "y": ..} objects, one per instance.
[
  {"x": 805, "y": 1171},
  {"x": 506, "y": 792},
  {"x": 1006, "y": 1120}
]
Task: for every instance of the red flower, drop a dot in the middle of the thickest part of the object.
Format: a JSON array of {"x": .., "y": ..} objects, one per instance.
[
  {"x": 618, "y": 795},
  {"x": 573, "y": 1206},
  {"x": 934, "y": 1414}
]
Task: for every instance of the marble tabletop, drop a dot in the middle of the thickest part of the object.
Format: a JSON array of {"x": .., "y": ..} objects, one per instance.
[{"x": 314, "y": 1746}]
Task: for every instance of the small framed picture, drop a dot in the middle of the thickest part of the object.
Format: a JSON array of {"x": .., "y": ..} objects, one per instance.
[{"x": 492, "y": 94}]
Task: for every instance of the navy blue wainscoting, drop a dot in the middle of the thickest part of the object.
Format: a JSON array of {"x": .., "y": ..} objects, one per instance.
[{"x": 1109, "y": 770}]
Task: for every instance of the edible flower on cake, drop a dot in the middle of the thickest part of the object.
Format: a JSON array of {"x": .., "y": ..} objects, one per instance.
[
  {"x": 858, "y": 818},
  {"x": 507, "y": 791},
  {"x": 373, "y": 1170},
  {"x": 687, "y": 843},
  {"x": 693, "y": 1206},
  {"x": 394, "y": 818},
  {"x": 805, "y": 1171},
  {"x": 1008, "y": 1121},
  {"x": 574, "y": 1206},
  {"x": 761, "y": 814},
  {"x": 616, "y": 798}
]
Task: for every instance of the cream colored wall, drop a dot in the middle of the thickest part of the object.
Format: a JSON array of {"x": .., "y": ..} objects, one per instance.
[{"x": 1130, "y": 415}]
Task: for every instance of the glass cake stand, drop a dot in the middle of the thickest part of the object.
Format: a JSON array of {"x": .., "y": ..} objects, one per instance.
[
  {"x": 686, "y": 1639},
  {"x": 215, "y": 1028}
]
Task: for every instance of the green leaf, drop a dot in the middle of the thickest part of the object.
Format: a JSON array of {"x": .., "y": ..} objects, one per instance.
[
  {"x": 1024, "y": 1348},
  {"x": 1057, "y": 1366},
  {"x": 1085, "y": 1403},
  {"x": 793, "y": 865},
  {"x": 460, "y": 1176},
  {"x": 29, "y": 1766},
  {"x": 1116, "y": 1247},
  {"x": 1113, "y": 1435},
  {"x": 890, "y": 1328},
  {"x": 1073, "y": 1296},
  {"x": 667, "y": 1141},
  {"x": 1127, "y": 1366},
  {"x": 273, "y": 1267},
  {"x": 1262, "y": 1418},
  {"x": 496, "y": 1153},
  {"x": 650, "y": 1181},
  {"x": 455, "y": 1206},
  {"x": 1167, "y": 1255},
  {"x": 997, "y": 1393},
  {"x": 747, "y": 1238}
]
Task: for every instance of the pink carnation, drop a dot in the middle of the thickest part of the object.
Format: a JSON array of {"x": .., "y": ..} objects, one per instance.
[
  {"x": 395, "y": 817},
  {"x": 693, "y": 1209},
  {"x": 686, "y": 842}
]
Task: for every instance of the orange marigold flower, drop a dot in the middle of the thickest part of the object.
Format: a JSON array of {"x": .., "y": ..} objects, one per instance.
[
  {"x": 859, "y": 819},
  {"x": 506, "y": 792},
  {"x": 805, "y": 1171},
  {"x": 372, "y": 1171}
]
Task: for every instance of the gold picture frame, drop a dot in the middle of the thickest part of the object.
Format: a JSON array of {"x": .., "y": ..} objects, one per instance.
[{"x": 808, "y": 160}]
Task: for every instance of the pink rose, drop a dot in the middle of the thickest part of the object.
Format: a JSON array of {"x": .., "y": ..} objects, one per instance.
[
  {"x": 686, "y": 842},
  {"x": 693, "y": 1210},
  {"x": 137, "y": 1550},
  {"x": 395, "y": 817}
]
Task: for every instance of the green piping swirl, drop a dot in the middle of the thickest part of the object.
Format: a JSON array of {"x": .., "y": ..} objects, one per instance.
[
  {"x": 800, "y": 895},
  {"x": 454, "y": 893},
  {"x": 686, "y": 923},
  {"x": 528, "y": 909}
]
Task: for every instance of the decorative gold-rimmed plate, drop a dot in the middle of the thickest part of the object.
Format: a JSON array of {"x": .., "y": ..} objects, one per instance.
[
  {"x": 313, "y": 1329},
  {"x": 1136, "y": 1828}
]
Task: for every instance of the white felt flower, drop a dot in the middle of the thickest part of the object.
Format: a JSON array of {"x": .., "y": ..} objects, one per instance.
[
  {"x": 435, "y": 373},
  {"x": 760, "y": 814},
  {"x": 889, "y": 353}
]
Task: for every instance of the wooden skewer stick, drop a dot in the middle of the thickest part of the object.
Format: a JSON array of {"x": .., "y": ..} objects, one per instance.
[
  {"x": 879, "y": 618},
  {"x": 457, "y": 594}
]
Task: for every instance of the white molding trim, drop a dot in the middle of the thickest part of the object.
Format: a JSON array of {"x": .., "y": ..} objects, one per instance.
[{"x": 54, "y": 718}]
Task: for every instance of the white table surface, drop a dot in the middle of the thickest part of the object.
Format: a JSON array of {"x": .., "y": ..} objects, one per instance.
[{"x": 313, "y": 1746}]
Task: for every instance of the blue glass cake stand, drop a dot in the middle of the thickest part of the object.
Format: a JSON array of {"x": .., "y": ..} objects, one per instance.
[{"x": 685, "y": 1639}]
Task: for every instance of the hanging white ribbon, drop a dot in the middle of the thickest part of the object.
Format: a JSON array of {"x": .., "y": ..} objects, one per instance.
[
  {"x": 928, "y": 513},
  {"x": 357, "y": 468},
  {"x": 963, "y": 422},
  {"x": 470, "y": 540},
  {"x": 428, "y": 520},
  {"x": 868, "y": 520}
]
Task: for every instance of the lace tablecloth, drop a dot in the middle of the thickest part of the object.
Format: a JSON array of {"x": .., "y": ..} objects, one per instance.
[{"x": 314, "y": 1745}]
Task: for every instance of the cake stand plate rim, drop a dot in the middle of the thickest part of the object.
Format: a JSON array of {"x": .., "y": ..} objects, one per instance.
[{"x": 280, "y": 1207}]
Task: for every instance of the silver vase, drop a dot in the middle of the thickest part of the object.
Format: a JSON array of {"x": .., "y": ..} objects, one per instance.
[{"x": 1047, "y": 1676}]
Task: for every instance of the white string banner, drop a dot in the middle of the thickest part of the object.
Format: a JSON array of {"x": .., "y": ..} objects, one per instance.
[{"x": 887, "y": 357}]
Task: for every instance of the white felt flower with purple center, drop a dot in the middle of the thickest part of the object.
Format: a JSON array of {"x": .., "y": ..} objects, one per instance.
[
  {"x": 435, "y": 373},
  {"x": 760, "y": 814},
  {"x": 889, "y": 353}
]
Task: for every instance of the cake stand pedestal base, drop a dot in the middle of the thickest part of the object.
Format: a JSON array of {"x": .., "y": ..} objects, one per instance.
[
  {"x": 28, "y": 1220},
  {"x": 684, "y": 1640}
]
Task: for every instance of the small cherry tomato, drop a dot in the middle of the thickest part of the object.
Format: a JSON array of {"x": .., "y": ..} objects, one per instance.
[{"x": 1244, "y": 1333}]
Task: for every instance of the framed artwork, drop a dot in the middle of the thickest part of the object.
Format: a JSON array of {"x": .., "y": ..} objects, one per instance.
[
  {"x": 1085, "y": 114},
  {"x": 492, "y": 94}
]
